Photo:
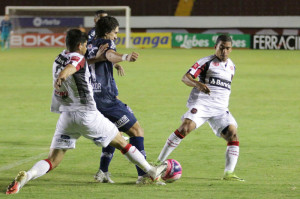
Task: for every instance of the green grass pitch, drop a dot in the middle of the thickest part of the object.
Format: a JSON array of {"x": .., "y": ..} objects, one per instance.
[{"x": 265, "y": 101}]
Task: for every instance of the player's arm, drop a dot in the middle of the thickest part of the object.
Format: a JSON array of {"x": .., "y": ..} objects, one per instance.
[
  {"x": 100, "y": 56},
  {"x": 190, "y": 81},
  {"x": 115, "y": 57},
  {"x": 64, "y": 74}
]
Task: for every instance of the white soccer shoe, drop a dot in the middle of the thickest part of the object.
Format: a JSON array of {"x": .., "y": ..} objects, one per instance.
[
  {"x": 103, "y": 177},
  {"x": 17, "y": 184},
  {"x": 156, "y": 172}
]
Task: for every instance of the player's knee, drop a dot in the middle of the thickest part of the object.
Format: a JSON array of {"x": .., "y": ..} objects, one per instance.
[
  {"x": 185, "y": 129},
  {"x": 135, "y": 131},
  {"x": 230, "y": 133}
]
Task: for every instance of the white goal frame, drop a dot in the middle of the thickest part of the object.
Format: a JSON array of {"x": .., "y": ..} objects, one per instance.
[{"x": 127, "y": 9}]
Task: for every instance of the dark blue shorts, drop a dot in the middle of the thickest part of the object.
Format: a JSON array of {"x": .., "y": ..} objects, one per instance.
[{"x": 120, "y": 114}]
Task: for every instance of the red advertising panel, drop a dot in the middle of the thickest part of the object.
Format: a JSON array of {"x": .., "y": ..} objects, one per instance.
[{"x": 37, "y": 40}]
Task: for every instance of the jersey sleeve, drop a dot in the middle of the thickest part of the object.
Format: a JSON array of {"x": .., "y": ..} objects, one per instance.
[
  {"x": 197, "y": 69},
  {"x": 77, "y": 61},
  {"x": 111, "y": 45}
]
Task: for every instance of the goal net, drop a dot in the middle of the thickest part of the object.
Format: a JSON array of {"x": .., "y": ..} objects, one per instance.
[{"x": 58, "y": 19}]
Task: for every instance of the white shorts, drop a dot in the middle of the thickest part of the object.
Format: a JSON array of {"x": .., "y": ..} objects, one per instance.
[
  {"x": 91, "y": 124},
  {"x": 217, "y": 119}
]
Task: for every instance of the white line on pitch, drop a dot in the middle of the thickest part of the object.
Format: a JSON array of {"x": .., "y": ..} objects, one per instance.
[{"x": 20, "y": 162}]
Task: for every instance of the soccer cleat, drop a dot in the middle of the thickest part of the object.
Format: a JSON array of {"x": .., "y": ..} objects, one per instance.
[
  {"x": 230, "y": 176},
  {"x": 17, "y": 184},
  {"x": 103, "y": 177},
  {"x": 155, "y": 172}
]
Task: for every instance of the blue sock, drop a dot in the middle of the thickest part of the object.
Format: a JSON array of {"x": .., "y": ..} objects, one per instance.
[
  {"x": 106, "y": 157},
  {"x": 138, "y": 142}
]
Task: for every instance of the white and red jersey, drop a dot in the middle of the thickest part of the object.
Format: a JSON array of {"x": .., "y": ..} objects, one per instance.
[
  {"x": 217, "y": 76},
  {"x": 76, "y": 92}
]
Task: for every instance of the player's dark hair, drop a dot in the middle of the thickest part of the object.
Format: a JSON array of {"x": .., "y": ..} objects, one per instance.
[
  {"x": 99, "y": 12},
  {"x": 106, "y": 25},
  {"x": 74, "y": 38},
  {"x": 223, "y": 38}
]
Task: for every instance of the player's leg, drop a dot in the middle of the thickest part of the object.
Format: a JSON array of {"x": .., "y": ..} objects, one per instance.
[
  {"x": 8, "y": 41},
  {"x": 232, "y": 152},
  {"x": 106, "y": 156},
  {"x": 62, "y": 140},
  {"x": 225, "y": 126},
  {"x": 136, "y": 134},
  {"x": 2, "y": 41},
  {"x": 136, "y": 157},
  {"x": 39, "y": 169},
  {"x": 122, "y": 116},
  {"x": 103, "y": 132},
  {"x": 191, "y": 120},
  {"x": 175, "y": 138}
]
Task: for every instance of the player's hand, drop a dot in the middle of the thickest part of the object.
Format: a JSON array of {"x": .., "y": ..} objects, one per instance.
[
  {"x": 100, "y": 54},
  {"x": 58, "y": 83},
  {"x": 120, "y": 69},
  {"x": 132, "y": 57},
  {"x": 203, "y": 88}
]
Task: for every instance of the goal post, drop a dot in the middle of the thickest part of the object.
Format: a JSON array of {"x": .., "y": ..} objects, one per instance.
[{"x": 46, "y": 10}]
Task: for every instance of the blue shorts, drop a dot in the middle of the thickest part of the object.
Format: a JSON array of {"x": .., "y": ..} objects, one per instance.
[{"x": 120, "y": 114}]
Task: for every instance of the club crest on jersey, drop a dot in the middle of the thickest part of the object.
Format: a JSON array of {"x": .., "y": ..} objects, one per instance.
[
  {"x": 194, "y": 110},
  {"x": 231, "y": 67},
  {"x": 220, "y": 83}
]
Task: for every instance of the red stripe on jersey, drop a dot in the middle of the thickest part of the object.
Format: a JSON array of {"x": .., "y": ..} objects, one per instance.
[
  {"x": 235, "y": 143},
  {"x": 199, "y": 70},
  {"x": 195, "y": 66},
  {"x": 75, "y": 58},
  {"x": 81, "y": 64}
]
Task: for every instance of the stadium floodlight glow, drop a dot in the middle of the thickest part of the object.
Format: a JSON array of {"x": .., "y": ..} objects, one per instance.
[{"x": 12, "y": 9}]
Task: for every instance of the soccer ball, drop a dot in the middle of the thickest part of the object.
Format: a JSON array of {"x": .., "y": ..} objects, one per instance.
[{"x": 173, "y": 172}]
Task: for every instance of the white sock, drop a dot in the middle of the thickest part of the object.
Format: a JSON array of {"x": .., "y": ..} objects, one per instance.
[
  {"x": 232, "y": 155},
  {"x": 137, "y": 158},
  {"x": 172, "y": 142},
  {"x": 39, "y": 169}
]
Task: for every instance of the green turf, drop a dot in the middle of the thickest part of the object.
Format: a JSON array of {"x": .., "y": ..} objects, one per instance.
[{"x": 265, "y": 102}]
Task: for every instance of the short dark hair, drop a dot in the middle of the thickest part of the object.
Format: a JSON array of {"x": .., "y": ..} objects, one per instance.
[
  {"x": 223, "y": 38},
  {"x": 106, "y": 25},
  {"x": 74, "y": 38},
  {"x": 99, "y": 12}
]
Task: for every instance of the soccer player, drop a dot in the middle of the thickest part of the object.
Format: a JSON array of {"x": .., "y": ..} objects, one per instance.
[
  {"x": 97, "y": 16},
  {"x": 5, "y": 30},
  {"x": 102, "y": 174},
  {"x": 73, "y": 99},
  {"x": 208, "y": 102},
  {"x": 106, "y": 92}
]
